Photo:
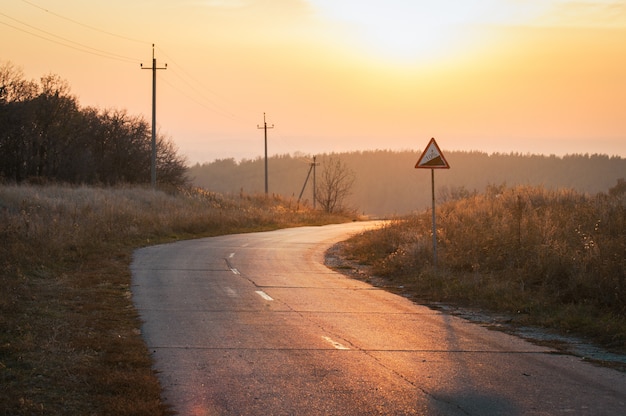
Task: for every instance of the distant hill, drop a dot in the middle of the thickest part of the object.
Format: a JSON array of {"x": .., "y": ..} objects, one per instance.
[{"x": 387, "y": 182}]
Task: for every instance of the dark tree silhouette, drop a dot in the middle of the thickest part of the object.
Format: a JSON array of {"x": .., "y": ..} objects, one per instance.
[{"x": 45, "y": 135}]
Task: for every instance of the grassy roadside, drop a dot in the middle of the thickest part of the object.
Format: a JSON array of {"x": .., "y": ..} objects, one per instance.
[
  {"x": 69, "y": 335},
  {"x": 553, "y": 259}
]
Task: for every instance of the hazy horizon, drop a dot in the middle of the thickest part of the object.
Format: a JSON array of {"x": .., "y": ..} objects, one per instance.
[
  {"x": 387, "y": 183},
  {"x": 416, "y": 151}
]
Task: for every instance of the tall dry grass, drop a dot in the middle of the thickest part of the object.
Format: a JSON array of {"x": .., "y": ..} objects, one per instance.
[
  {"x": 69, "y": 338},
  {"x": 553, "y": 258}
]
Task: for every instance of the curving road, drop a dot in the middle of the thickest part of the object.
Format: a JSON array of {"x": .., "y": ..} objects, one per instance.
[{"x": 255, "y": 324}]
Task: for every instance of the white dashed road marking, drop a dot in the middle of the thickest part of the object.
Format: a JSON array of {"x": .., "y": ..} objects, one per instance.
[
  {"x": 264, "y": 295},
  {"x": 335, "y": 343}
]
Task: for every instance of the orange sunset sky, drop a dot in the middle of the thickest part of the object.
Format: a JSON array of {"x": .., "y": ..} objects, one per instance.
[{"x": 533, "y": 76}]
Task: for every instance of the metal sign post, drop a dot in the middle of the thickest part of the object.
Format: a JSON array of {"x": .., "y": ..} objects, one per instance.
[{"x": 432, "y": 159}]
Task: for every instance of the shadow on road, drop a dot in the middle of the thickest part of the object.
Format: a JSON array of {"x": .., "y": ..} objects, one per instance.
[{"x": 457, "y": 396}]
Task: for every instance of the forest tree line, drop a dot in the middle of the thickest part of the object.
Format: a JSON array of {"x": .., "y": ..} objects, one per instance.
[
  {"x": 386, "y": 182},
  {"x": 46, "y": 136}
]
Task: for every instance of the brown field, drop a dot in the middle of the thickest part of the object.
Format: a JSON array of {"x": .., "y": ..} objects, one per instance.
[{"x": 69, "y": 335}]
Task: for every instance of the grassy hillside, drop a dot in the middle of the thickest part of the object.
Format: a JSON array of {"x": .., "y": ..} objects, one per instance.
[
  {"x": 546, "y": 257},
  {"x": 69, "y": 334}
]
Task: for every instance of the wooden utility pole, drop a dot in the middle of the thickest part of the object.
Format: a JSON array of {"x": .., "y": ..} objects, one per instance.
[
  {"x": 311, "y": 168},
  {"x": 153, "y": 160},
  {"x": 314, "y": 184},
  {"x": 265, "y": 127}
]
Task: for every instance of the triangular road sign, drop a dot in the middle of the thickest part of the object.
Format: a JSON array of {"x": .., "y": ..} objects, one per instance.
[{"x": 432, "y": 158}]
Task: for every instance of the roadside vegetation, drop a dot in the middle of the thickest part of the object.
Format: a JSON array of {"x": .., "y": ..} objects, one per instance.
[
  {"x": 551, "y": 258},
  {"x": 69, "y": 335}
]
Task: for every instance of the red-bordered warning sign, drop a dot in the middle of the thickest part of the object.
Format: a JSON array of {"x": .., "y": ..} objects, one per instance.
[{"x": 432, "y": 158}]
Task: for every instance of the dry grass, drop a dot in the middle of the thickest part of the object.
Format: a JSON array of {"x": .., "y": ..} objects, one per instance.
[
  {"x": 550, "y": 258},
  {"x": 69, "y": 337}
]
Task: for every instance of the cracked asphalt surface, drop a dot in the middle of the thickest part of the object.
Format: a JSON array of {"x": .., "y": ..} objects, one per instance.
[{"x": 255, "y": 324}]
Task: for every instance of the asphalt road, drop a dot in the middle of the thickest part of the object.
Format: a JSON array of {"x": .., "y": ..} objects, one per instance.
[{"x": 255, "y": 324}]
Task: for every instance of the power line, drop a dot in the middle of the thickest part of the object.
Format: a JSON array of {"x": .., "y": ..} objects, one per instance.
[
  {"x": 82, "y": 24},
  {"x": 97, "y": 52},
  {"x": 203, "y": 100},
  {"x": 211, "y": 106},
  {"x": 171, "y": 61},
  {"x": 188, "y": 74},
  {"x": 200, "y": 90},
  {"x": 80, "y": 47},
  {"x": 190, "y": 82}
]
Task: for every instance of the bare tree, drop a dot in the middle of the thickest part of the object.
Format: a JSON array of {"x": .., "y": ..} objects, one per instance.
[{"x": 334, "y": 185}]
